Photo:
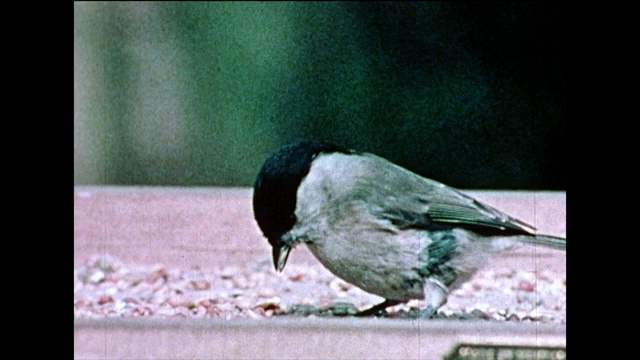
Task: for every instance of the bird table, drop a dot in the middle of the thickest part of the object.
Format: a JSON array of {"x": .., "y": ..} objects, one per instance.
[{"x": 190, "y": 277}]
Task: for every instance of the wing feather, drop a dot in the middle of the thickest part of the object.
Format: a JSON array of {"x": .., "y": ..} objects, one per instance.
[{"x": 428, "y": 204}]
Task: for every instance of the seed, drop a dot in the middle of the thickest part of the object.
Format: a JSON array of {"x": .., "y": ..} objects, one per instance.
[
  {"x": 104, "y": 299},
  {"x": 201, "y": 284},
  {"x": 526, "y": 286}
]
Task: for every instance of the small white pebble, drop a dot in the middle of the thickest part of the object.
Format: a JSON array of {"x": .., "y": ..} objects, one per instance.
[
  {"x": 225, "y": 308},
  {"x": 182, "y": 312},
  {"x": 243, "y": 303},
  {"x": 164, "y": 310},
  {"x": 240, "y": 282},
  {"x": 111, "y": 290},
  {"x": 96, "y": 277},
  {"x": 484, "y": 307},
  {"x": 252, "y": 314},
  {"x": 120, "y": 305},
  {"x": 178, "y": 300},
  {"x": 268, "y": 292}
]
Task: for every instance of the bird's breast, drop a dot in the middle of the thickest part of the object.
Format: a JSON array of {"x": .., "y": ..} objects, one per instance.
[{"x": 380, "y": 263}]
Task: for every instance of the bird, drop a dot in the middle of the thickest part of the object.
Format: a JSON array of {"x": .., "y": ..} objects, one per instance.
[{"x": 379, "y": 226}]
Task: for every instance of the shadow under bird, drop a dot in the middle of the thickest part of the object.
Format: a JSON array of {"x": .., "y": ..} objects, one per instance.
[{"x": 379, "y": 226}]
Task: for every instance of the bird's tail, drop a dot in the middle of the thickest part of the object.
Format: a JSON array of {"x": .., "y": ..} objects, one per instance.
[{"x": 548, "y": 241}]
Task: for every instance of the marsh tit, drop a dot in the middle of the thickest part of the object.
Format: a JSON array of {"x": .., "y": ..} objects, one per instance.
[{"x": 380, "y": 226}]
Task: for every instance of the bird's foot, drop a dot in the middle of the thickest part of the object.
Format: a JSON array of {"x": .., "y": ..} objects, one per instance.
[
  {"x": 378, "y": 310},
  {"x": 427, "y": 313}
]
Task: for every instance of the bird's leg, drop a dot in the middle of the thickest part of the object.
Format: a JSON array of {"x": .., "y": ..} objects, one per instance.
[
  {"x": 435, "y": 295},
  {"x": 427, "y": 312},
  {"x": 378, "y": 310}
]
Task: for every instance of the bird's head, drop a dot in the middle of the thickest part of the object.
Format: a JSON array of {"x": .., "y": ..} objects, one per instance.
[{"x": 275, "y": 193}]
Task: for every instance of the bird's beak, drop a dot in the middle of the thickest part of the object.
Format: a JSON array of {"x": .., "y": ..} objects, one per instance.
[{"x": 280, "y": 256}]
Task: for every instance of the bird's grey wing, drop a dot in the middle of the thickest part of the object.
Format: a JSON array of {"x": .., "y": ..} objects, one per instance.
[
  {"x": 449, "y": 206},
  {"x": 424, "y": 203}
]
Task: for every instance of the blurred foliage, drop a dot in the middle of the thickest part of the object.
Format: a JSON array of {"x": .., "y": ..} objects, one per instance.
[{"x": 199, "y": 93}]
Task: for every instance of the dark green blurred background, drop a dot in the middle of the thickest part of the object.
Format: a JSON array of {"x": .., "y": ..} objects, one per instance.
[{"x": 198, "y": 94}]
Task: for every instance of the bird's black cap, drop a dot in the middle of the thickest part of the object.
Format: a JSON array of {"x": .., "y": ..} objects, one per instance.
[{"x": 274, "y": 193}]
